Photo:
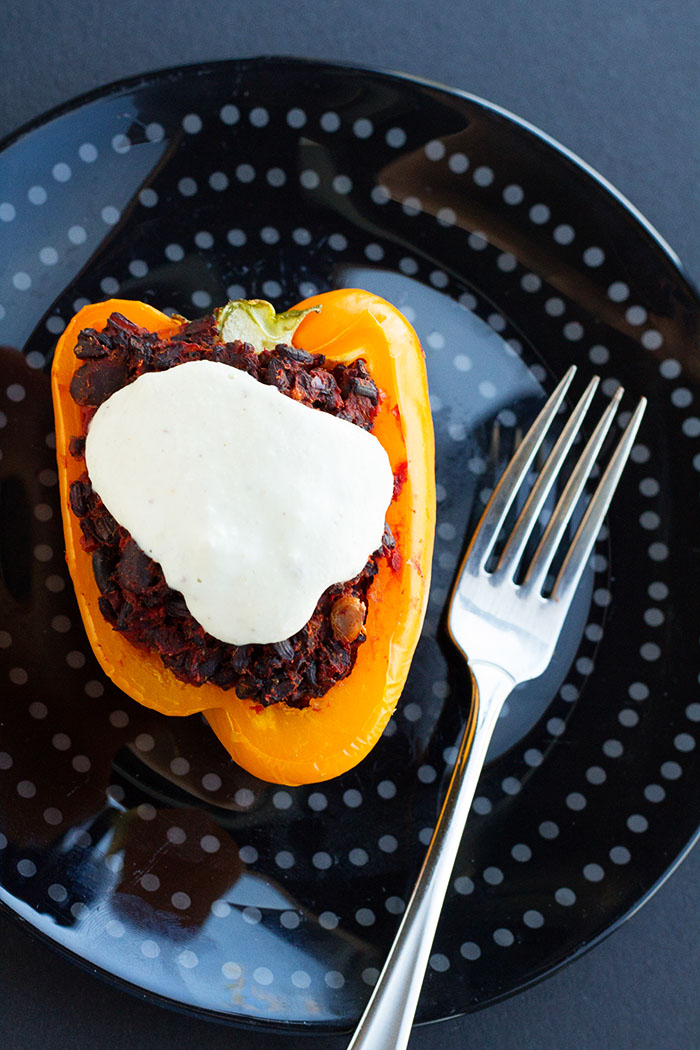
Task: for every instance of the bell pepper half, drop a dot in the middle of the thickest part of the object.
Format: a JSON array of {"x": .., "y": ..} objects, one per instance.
[{"x": 281, "y": 744}]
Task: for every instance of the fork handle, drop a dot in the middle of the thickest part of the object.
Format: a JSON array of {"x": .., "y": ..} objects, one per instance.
[{"x": 388, "y": 1017}]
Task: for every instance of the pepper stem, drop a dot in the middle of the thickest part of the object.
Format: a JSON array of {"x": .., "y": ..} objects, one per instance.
[{"x": 256, "y": 321}]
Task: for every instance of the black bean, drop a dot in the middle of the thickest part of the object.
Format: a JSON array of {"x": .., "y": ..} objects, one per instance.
[
  {"x": 80, "y": 492},
  {"x": 135, "y": 570},
  {"x": 103, "y": 565}
]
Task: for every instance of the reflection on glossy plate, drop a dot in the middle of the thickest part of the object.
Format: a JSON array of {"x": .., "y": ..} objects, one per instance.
[{"x": 128, "y": 839}]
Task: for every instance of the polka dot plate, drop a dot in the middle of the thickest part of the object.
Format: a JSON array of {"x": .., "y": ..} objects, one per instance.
[{"x": 129, "y": 840}]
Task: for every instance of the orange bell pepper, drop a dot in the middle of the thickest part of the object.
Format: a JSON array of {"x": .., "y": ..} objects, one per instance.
[{"x": 278, "y": 743}]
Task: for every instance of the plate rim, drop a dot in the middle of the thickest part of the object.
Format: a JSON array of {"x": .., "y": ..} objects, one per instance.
[{"x": 201, "y": 68}]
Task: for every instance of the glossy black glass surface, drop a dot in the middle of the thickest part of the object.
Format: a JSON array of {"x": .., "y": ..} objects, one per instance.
[{"x": 130, "y": 840}]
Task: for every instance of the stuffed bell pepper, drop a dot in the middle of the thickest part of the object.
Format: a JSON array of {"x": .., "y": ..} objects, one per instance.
[{"x": 249, "y": 506}]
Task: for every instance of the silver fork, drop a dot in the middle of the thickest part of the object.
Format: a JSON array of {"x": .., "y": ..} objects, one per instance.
[{"x": 507, "y": 631}]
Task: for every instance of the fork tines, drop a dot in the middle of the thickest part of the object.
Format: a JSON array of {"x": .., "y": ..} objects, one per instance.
[{"x": 510, "y": 484}]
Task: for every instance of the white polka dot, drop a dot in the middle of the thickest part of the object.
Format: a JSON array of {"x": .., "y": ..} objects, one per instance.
[
  {"x": 330, "y": 121},
  {"x": 493, "y": 876},
  {"x": 576, "y": 801},
  {"x": 231, "y": 970},
  {"x": 248, "y": 854},
  {"x": 636, "y": 315},
  {"x": 388, "y": 844},
  {"x": 150, "y": 882},
  {"x": 555, "y": 306},
  {"x": 309, "y": 179},
  {"x": 563, "y": 234},
  {"x": 618, "y": 291},
  {"x": 187, "y": 187},
  {"x": 446, "y": 216},
  {"x": 684, "y": 742},
  {"x": 548, "y": 829},
  {"x": 464, "y": 885},
  {"x": 176, "y": 835},
  {"x": 114, "y": 928},
  {"x": 483, "y": 175},
  {"x": 533, "y": 757},
  {"x": 565, "y": 897},
  {"x": 7, "y": 211},
  {"x": 37, "y": 195},
  {"x": 58, "y": 893},
  {"x": 328, "y": 920},
  {"x": 121, "y": 143},
  {"x": 503, "y": 937},
  {"x": 155, "y": 132},
  {"x": 110, "y": 215},
  {"x": 530, "y": 282},
  {"x": 317, "y": 801},
  {"x": 26, "y": 789},
  {"x": 364, "y": 917},
  {"x": 334, "y": 979},
  {"x": 322, "y": 861},
  {"x": 521, "y": 852},
  {"x": 620, "y": 855},
  {"x": 300, "y": 979},
  {"x": 245, "y": 173},
  {"x": 395, "y": 137},
  {"x": 188, "y": 959},
  {"x": 470, "y": 950},
  {"x": 513, "y": 194},
  {"x": 533, "y": 919},
  {"x": 386, "y": 789},
  {"x": 27, "y": 868},
  {"x": 506, "y": 262},
  {"x": 210, "y": 843},
  {"x": 211, "y": 781},
  {"x": 218, "y": 180},
  {"x": 539, "y": 213},
  {"x": 638, "y": 823},
  {"x": 22, "y": 281},
  {"x": 358, "y": 857},
  {"x": 251, "y": 915},
  {"x": 150, "y": 949},
  {"x": 244, "y": 797},
  {"x": 593, "y": 872},
  {"x": 352, "y": 798},
  {"x": 482, "y": 805},
  {"x": 281, "y": 800},
  {"x": 38, "y": 710},
  {"x": 61, "y": 172},
  {"x": 573, "y": 331},
  {"x": 284, "y": 859},
  {"x": 220, "y": 909},
  {"x": 652, "y": 340},
  {"x": 88, "y": 152}
]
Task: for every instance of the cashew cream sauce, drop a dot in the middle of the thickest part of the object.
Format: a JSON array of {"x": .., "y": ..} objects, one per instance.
[{"x": 252, "y": 503}]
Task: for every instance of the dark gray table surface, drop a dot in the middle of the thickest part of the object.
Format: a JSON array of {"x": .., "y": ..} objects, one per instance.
[{"x": 619, "y": 84}]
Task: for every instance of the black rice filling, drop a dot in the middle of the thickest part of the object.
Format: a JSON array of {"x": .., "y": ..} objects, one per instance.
[{"x": 135, "y": 598}]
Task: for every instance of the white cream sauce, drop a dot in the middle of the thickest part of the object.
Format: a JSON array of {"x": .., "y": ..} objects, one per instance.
[{"x": 252, "y": 503}]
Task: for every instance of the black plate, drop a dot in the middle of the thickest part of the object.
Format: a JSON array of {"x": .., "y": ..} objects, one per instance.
[{"x": 130, "y": 840}]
